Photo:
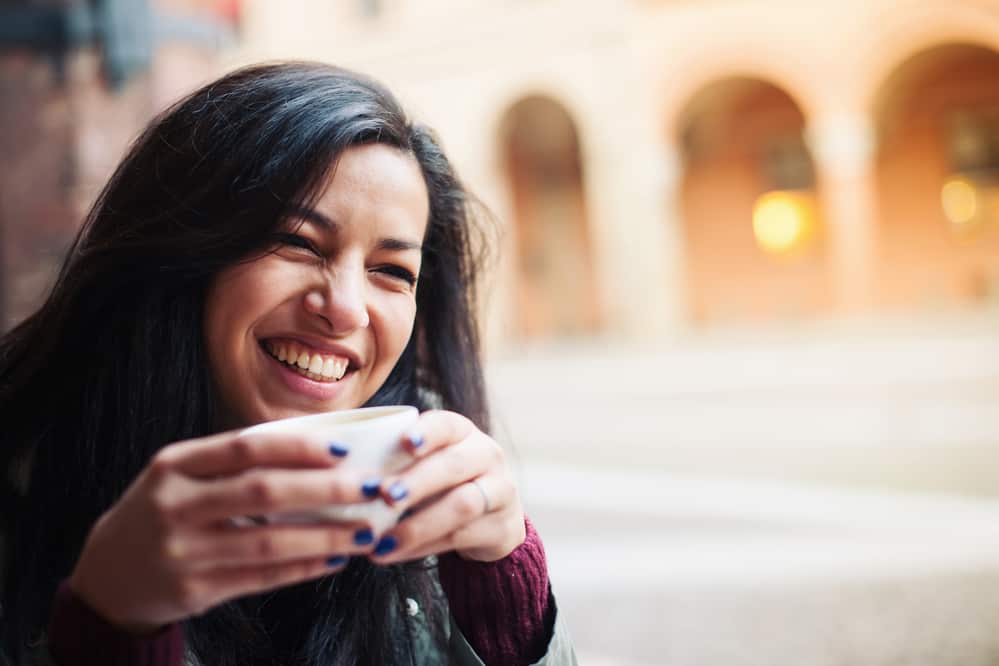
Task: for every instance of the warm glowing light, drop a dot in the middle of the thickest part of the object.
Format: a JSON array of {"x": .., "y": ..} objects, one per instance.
[
  {"x": 784, "y": 221},
  {"x": 959, "y": 198}
]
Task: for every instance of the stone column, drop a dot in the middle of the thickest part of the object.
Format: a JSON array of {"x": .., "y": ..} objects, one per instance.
[
  {"x": 843, "y": 146},
  {"x": 632, "y": 188},
  {"x": 674, "y": 246},
  {"x": 479, "y": 158}
]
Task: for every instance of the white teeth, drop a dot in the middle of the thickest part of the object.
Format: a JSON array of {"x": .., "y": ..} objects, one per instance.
[{"x": 316, "y": 365}]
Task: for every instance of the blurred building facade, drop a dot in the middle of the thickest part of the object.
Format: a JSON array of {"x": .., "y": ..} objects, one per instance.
[
  {"x": 657, "y": 166},
  {"x": 654, "y": 166},
  {"x": 79, "y": 79}
]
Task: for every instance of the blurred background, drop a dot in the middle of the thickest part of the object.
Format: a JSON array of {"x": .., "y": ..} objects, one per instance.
[{"x": 742, "y": 323}]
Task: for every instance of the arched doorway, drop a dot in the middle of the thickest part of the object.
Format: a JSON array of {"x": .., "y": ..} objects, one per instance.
[
  {"x": 938, "y": 180},
  {"x": 752, "y": 233},
  {"x": 554, "y": 269}
]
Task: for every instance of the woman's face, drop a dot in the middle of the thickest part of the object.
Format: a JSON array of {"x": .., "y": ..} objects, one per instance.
[{"x": 318, "y": 324}]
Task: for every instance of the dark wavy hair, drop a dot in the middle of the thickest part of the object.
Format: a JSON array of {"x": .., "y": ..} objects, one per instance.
[{"x": 113, "y": 367}]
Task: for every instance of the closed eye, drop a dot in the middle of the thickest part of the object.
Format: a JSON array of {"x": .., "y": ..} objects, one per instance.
[
  {"x": 398, "y": 272},
  {"x": 302, "y": 242}
]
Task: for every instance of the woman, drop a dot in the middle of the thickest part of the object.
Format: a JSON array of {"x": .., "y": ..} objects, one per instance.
[{"x": 285, "y": 212}]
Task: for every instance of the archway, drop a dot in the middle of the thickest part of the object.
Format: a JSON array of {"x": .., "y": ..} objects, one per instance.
[
  {"x": 752, "y": 233},
  {"x": 555, "y": 288},
  {"x": 937, "y": 167}
]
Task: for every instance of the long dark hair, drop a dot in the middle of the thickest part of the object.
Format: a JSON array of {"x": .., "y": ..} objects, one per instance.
[{"x": 113, "y": 366}]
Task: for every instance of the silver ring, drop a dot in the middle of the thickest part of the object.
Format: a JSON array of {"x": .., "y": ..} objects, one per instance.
[{"x": 485, "y": 498}]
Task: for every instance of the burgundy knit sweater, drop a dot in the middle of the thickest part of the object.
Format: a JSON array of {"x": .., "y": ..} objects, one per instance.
[{"x": 504, "y": 608}]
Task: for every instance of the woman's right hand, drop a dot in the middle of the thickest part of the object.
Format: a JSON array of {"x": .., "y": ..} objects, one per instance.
[{"x": 167, "y": 549}]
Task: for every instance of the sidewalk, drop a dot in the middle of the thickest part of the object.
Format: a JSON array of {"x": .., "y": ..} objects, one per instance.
[
  {"x": 657, "y": 569},
  {"x": 883, "y": 408}
]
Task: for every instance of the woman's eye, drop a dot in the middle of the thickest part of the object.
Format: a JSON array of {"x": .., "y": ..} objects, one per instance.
[
  {"x": 299, "y": 241},
  {"x": 399, "y": 273}
]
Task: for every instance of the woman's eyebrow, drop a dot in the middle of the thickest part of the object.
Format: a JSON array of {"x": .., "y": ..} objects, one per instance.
[
  {"x": 399, "y": 244},
  {"x": 317, "y": 218},
  {"x": 313, "y": 216}
]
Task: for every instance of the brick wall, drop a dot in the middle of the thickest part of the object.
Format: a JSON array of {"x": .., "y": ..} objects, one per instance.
[{"x": 62, "y": 134}]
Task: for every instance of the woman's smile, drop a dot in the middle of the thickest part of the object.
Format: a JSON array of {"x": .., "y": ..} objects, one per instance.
[
  {"x": 319, "y": 366},
  {"x": 304, "y": 382}
]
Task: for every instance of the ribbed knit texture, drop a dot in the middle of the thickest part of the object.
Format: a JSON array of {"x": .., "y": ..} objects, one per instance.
[
  {"x": 503, "y": 608},
  {"x": 78, "y": 636}
]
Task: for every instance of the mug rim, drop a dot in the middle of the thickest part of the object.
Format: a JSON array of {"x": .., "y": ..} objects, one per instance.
[{"x": 373, "y": 413}]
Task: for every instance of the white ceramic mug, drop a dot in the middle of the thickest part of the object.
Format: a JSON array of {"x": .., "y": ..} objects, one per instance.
[{"x": 373, "y": 436}]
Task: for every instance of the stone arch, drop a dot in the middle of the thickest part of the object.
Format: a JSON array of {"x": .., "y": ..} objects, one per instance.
[
  {"x": 742, "y": 151},
  {"x": 922, "y": 30},
  {"x": 937, "y": 178},
  {"x": 554, "y": 274}
]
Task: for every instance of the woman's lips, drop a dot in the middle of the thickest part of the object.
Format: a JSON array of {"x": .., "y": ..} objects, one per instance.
[{"x": 317, "y": 390}]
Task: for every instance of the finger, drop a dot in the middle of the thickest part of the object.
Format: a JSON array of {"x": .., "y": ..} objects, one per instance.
[
  {"x": 447, "y": 468},
  {"x": 230, "y": 583},
  {"x": 448, "y": 515},
  {"x": 258, "y": 546},
  {"x": 261, "y": 492},
  {"x": 437, "y": 429},
  {"x": 488, "y": 529},
  {"x": 234, "y": 452}
]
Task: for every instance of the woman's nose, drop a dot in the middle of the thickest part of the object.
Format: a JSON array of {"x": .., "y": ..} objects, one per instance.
[{"x": 340, "y": 301}]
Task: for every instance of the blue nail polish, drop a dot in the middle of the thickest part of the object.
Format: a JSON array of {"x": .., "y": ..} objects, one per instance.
[
  {"x": 363, "y": 537},
  {"x": 337, "y": 560},
  {"x": 371, "y": 487},
  {"x": 398, "y": 491},
  {"x": 416, "y": 439},
  {"x": 339, "y": 450},
  {"x": 386, "y": 545}
]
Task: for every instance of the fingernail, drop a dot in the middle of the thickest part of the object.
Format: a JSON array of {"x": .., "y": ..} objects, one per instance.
[
  {"x": 398, "y": 491},
  {"x": 337, "y": 560},
  {"x": 371, "y": 487},
  {"x": 415, "y": 439},
  {"x": 363, "y": 536},
  {"x": 339, "y": 450},
  {"x": 386, "y": 545}
]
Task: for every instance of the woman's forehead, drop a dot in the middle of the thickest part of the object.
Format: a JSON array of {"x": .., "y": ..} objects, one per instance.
[{"x": 376, "y": 183}]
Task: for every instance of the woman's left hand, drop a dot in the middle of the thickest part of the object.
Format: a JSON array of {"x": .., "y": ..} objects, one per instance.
[{"x": 460, "y": 491}]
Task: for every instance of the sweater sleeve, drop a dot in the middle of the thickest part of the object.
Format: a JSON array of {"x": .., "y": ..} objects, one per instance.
[
  {"x": 78, "y": 635},
  {"x": 504, "y": 608}
]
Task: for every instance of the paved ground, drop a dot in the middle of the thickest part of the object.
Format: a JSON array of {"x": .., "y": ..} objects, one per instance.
[
  {"x": 813, "y": 497},
  {"x": 649, "y": 572},
  {"x": 902, "y": 406}
]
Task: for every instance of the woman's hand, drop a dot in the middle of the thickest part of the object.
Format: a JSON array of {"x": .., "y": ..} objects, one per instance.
[
  {"x": 168, "y": 549},
  {"x": 460, "y": 491}
]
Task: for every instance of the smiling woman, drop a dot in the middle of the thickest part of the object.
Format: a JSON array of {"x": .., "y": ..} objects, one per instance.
[{"x": 282, "y": 242}]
